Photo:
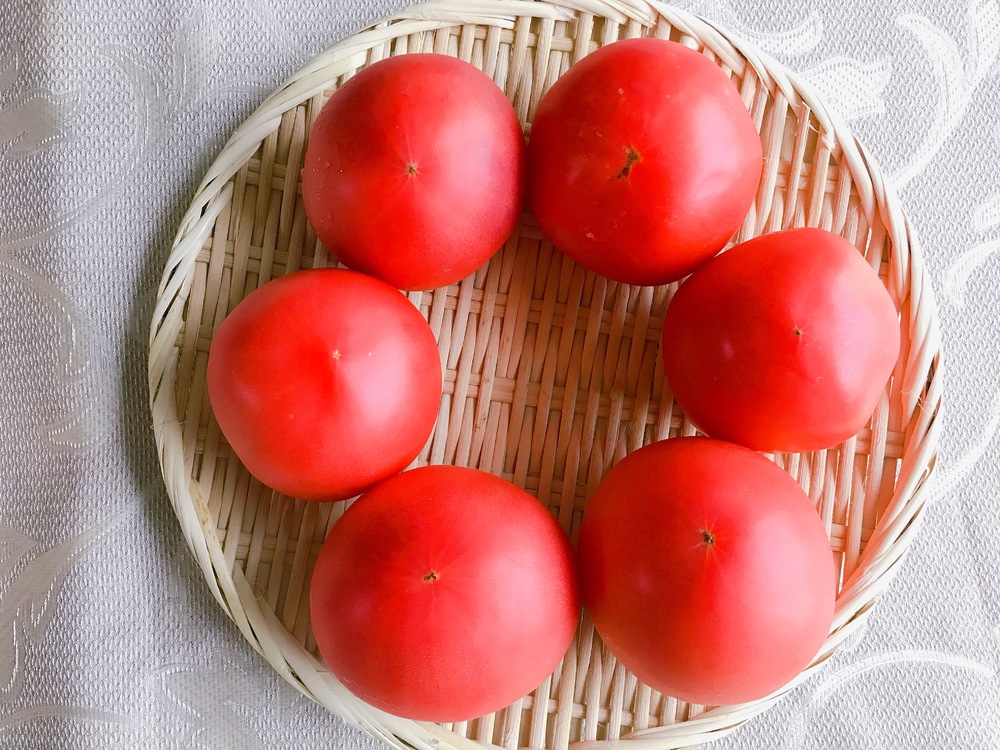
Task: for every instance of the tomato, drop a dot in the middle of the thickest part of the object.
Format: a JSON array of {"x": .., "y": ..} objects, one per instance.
[
  {"x": 643, "y": 161},
  {"x": 414, "y": 171},
  {"x": 443, "y": 594},
  {"x": 782, "y": 343},
  {"x": 324, "y": 382},
  {"x": 706, "y": 570}
]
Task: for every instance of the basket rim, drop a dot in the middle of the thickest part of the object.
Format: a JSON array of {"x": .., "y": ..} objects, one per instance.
[{"x": 261, "y": 627}]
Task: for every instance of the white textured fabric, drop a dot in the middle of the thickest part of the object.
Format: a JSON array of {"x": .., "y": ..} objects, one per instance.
[{"x": 109, "y": 115}]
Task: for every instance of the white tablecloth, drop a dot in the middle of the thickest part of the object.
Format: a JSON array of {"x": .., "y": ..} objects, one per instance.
[{"x": 110, "y": 112}]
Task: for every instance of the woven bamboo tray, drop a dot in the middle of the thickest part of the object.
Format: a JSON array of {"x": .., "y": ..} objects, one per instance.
[{"x": 552, "y": 372}]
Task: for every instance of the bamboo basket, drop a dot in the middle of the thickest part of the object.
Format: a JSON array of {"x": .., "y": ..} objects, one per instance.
[{"x": 552, "y": 373}]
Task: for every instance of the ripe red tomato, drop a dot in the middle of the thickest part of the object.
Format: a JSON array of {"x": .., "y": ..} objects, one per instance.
[
  {"x": 414, "y": 171},
  {"x": 443, "y": 594},
  {"x": 782, "y": 343},
  {"x": 643, "y": 161},
  {"x": 706, "y": 570},
  {"x": 325, "y": 382}
]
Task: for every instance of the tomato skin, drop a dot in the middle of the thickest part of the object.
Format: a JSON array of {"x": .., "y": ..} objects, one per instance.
[
  {"x": 415, "y": 171},
  {"x": 643, "y": 161},
  {"x": 443, "y": 594},
  {"x": 324, "y": 382},
  {"x": 711, "y": 623},
  {"x": 783, "y": 343}
]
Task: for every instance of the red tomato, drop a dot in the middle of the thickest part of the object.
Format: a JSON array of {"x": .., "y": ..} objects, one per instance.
[
  {"x": 325, "y": 382},
  {"x": 414, "y": 171},
  {"x": 706, "y": 570},
  {"x": 443, "y": 594},
  {"x": 643, "y": 161},
  {"x": 782, "y": 343}
]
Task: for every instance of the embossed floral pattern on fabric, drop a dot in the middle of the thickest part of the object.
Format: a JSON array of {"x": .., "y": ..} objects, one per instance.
[{"x": 110, "y": 114}]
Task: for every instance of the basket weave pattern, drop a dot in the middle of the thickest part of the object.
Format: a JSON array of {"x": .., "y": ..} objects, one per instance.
[{"x": 552, "y": 373}]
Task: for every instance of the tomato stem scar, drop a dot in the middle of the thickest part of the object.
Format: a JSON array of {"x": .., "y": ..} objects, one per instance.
[
  {"x": 336, "y": 354},
  {"x": 411, "y": 169},
  {"x": 631, "y": 157},
  {"x": 798, "y": 331},
  {"x": 708, "y": 537},
  {"x": 431, "y": 577}
]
